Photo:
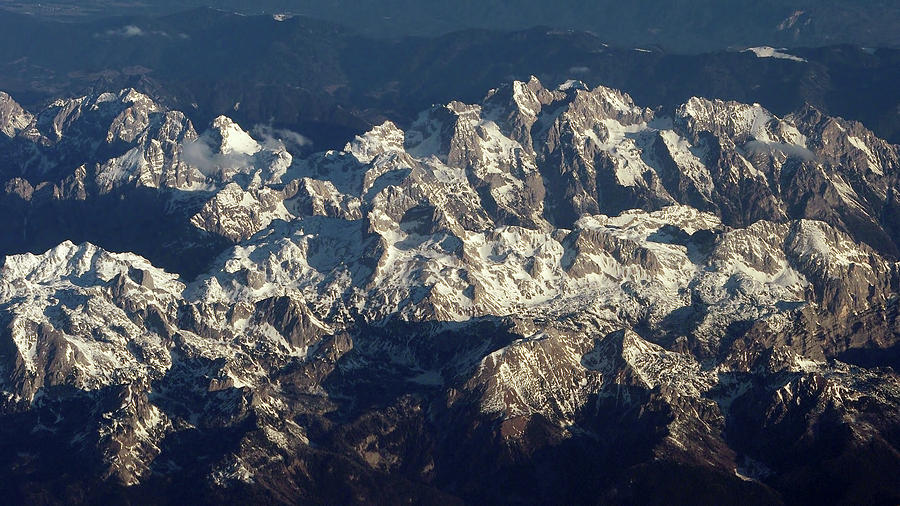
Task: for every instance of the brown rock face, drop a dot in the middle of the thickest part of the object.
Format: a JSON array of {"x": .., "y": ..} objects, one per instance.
[{"x": 553, "y": 296}]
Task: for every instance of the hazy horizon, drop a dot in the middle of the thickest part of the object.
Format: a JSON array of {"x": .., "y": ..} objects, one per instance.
[{"x": 681, "y": 26}]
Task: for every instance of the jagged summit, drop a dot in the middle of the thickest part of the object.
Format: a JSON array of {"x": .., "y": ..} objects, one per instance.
[
  {"x": 554, "y": 271},
  {"x": 13, "y": 119}
]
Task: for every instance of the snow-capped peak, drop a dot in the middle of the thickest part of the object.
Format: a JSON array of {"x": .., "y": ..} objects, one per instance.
[
  {"x": 572, "y": 84},
  {"x": 380, "y": 139},
  {"x": 233, "y": 139},
  {"x": 81, "y": 263}
]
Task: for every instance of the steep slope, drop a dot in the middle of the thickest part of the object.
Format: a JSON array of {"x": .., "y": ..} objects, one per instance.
[
  {"x": 553, "y": 286},
  {"x": 120, "y": 170}
]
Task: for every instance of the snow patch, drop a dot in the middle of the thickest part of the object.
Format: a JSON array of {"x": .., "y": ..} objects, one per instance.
[{"x": 771, "y": 52}]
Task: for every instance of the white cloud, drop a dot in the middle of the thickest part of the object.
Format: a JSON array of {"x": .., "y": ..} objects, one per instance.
[
  {"x": 769, "y": 148},
  {"x": 204, "y": 153},
  {"x": 277, "y": 137},
  {"x": 127, "y": 31}
]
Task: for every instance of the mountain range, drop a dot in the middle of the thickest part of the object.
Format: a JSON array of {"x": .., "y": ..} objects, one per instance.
[
  {"x": 552, "y": 294},
  {"x": 330, "y": 83},
  {"x": 678, "y": 26}
]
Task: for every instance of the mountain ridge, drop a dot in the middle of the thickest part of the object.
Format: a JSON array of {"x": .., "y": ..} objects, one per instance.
[
  {"x": 320, "y": 79},
  {"x": 456, "y": 311},
  {"x": 678, "y": 26}
]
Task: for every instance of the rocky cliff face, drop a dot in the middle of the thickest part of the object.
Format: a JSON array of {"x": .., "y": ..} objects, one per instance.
[{"x": 553, "y": 286}]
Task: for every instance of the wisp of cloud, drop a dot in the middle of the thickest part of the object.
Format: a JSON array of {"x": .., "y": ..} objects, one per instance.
[
  {"x": 272, "y": 138},
  {"x": 204, "y": 153},
  {"x": 770, "y": 148},
  {"x": 127, "y": 31}
]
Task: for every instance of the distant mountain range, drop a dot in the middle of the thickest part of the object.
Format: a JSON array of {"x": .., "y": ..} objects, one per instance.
[
  {"x": 680, "y": 26},
  {"x": 328, "y": 83}
]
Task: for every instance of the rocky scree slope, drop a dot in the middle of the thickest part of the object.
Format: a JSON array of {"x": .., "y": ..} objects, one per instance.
[{"x": 553, "y": 284}]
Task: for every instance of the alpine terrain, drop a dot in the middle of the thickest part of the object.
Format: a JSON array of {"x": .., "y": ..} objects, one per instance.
[{"x": 553, "y": 295}]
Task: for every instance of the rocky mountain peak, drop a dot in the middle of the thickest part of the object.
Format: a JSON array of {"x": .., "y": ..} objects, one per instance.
[
  {"x": 13, "y": 119},
  {"x": 230, "y": 138},
  {"x": 544, "y": 270}
]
